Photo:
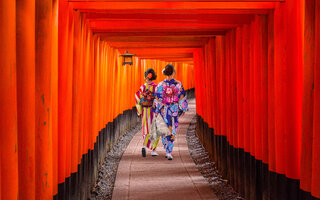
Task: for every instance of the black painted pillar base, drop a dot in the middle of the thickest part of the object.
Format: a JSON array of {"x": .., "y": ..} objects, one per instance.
[{"x": 250, "y": 177}]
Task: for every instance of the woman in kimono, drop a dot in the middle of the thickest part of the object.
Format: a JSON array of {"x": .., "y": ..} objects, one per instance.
[
  {"x": 144, "y": 101},
  {"x": 170, "y": 103}
]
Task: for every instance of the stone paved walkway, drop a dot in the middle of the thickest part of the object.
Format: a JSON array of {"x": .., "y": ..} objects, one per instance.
[{"x": 158, "y": 178}]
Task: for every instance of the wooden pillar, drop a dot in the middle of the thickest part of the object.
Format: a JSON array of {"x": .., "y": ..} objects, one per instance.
[
  {"x": 76, "y": 95},
  {"x": 315, "y": 185},
  {"x": 92, "y": 78},
  {"x": 257, "y": 87},
  {"x": 8, "y": 101},
  {"x": 246, "y": 86},
  {"x": 65, "y": 88},
  {"x": 264, "y": 87},
  {"x": 251, "y": 90},
  {"x": 218, "y": 49},
  {"x": 228, "y": 96},
  {"x": 293, "y": 81},
  {"x": 239, "y": 86},
  {"x": 70, "y": 75},
  {"x": 213, "y": 79},
  {"x": 234, "y": 131},
  {"x": 44, "y": 188},
  {"x": 280, "y": 85},
  {"x": 246, "y": 107},
  {"x": 94, "y": 90},
  {"x": 233, "y": 90},
  {"x": 55, "y": 94},
  {"x": 196, "y": 56},
  {"x": 0, "y": 179},
  {"x": 252, "y": 173},
  {"x": 223, "y": 85},
  {"x": 271, "y": 96},
  {"x": 308, "y": 97},
  {"x": 26, "y": 97}
]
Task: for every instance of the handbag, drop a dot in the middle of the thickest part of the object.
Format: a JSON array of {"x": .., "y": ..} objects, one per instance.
[{"x": 159, "y": 128}]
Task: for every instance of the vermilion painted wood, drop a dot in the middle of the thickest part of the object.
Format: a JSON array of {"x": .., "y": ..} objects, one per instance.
[
  {"x": 156, "y": 45},
  {"x": 228, "y": 87},
  {"x": 157, "y": 51},
  {"x": 164, "y": 54},
  {"x": 225, "y": 1},
  {"x": 43, "y": 100},
  {"x": 0, "y": 180},
  {"x": 87, "y": 87},
  {"x": 153, "y": 39},
  {"x": 251, "y": 96},
  {"x": 70, "y": 61},
  {"x": 65, "y": 89},
  {"x": 155, "y": 25},
  {"x": 239, "y": 86},
  {"x": 315, "y": 187},
  {"x": 294, "y": 84},
  {"x": 215, "y": 11},
  {"x": 74, "y": 138},
  {"x": 110, "y": 87},
  {"x": 308, "y": 97},
  {"x": 55, "y": 93},
  {"x": 280, "y": 28},
  {"x": 202, "y": 83},
  {"x": 271, "y": 96},
  {"x": 94, "y": 114},
  {"x": 234, "y": 134},
  {"x": 246, "y": 86},
  {"x": 218, "y": 114},
  {"x": 208, "y": 86},
  {"x": 26, "y": 97},
  {"x": 172, "y": 5},
  {"x": 257, "y": 87},
  {"x": 91, "y": 91},
  {"x": 83, "y": 115},
  {"x": 223, "y": 84},
  {"x": 277, "y": 100},
  {"x": 229, "y": 47},
  {"x": 180, "y": 60},
  {"x": 8, "y": 102},
  {"x": 214, "y": 87},
  {"x": 210, "y": 73},
  {"x": 182, "y": 18},
  {"x": 162, "y": 32},
  {"x": 197, "y": 63},
  {"x": 264, "y": 88}
]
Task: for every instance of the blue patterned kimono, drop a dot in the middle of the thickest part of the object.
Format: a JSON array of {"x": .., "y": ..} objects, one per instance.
[{"x": 171, "y": 103}]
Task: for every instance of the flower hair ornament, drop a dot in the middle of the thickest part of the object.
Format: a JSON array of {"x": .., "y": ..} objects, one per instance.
[{"x": 149, "y": 76}]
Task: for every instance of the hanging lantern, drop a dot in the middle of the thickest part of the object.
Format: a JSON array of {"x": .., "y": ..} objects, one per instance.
[{"x": 127, "y": 58}]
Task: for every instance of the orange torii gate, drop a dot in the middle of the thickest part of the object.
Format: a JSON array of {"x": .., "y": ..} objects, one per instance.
[{"x": 64, "y": 91}]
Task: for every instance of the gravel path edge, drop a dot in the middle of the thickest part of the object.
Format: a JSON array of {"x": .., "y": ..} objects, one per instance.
[{"x": 207, "y": 168}]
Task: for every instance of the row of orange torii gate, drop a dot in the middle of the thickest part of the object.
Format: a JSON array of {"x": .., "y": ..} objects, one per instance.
[{"x": 258, "y": 86}]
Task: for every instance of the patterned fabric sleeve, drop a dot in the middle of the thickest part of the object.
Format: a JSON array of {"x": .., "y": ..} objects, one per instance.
[
  {"x": 138, "y": 95},
  {"x": 138, "y": 98},
  {"x": 183, "y": 103},
  {"x": 157, "y": 103}
]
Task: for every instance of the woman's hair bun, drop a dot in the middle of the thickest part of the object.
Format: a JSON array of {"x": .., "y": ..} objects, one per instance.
[
  {"x": 168, "y": 70},
  {"x": 148, "y": 72}
]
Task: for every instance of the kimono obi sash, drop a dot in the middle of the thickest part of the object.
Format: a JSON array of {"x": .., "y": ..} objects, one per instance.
[{"x": 170, "y": 95}]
